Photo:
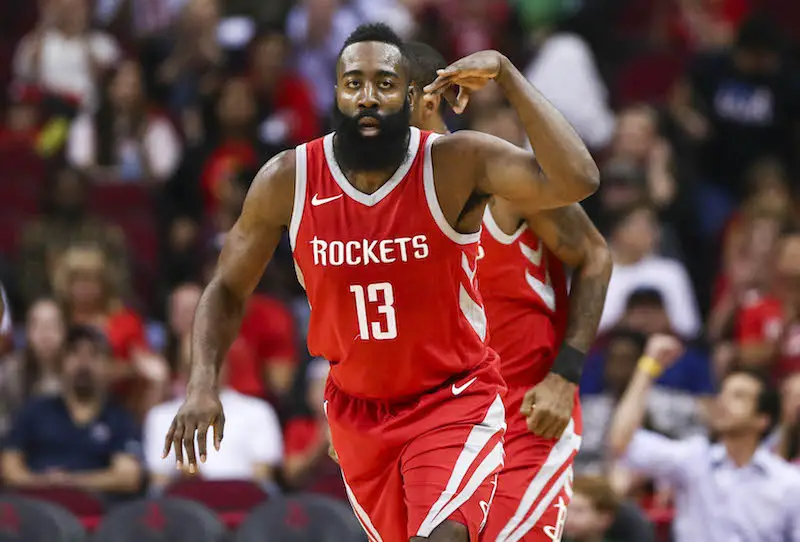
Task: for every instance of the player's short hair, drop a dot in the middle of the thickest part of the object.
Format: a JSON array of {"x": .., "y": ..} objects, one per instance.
[
  {"x": 423, "y": 61},
  {"x": 379, "y": 32},
  {"x": 769, "y": 399},
  {"x": 599, "y": 492}
]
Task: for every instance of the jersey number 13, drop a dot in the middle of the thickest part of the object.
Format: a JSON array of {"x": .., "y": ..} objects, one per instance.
[{"x": 382, "y": 295}]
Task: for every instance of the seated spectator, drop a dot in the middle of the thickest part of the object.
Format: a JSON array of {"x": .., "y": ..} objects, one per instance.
[
  {"x": 124, "y": 140},
  {"x": 181, "y": 305},
  {"x": 308, "y": 464},
  {"x": 252, "y": 449},
  {"x": 34, "y": 371},
  {"x": 786, "y": 438},
  {"x": 724, "y": 490},
  {"x": 669, "y": 411},
  {"x": 591, "y": 512},
  {"x": 766, "y": 329},
  {"x": 87, "y": 289},
  {"x": 64, "y": 222},
  {"x": 63, "y": 54},
  {"x": 636, "y": 265},
  {"x": 285, "y": 103},
  {"x": 80, "y": 438}
]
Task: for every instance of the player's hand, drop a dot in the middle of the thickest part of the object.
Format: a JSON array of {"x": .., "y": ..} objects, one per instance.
[
  {"x": 201, "y": 409},
  {"x": 665, "y": 349},
  {"x": 469, "y": 74},
  {"x": 548, "y": 406}
]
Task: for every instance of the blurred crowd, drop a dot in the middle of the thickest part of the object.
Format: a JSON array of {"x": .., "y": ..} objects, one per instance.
[{"x": 130, "y": 131}]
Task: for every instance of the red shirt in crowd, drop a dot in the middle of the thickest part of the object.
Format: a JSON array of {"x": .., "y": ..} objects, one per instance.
[
  {"x": 224, "y": 163},
  {"x": 125, "y": 332},
  {"x": 301, "y": 437},
  {"x": 762, "y": 319},
  {"x": 267, "y": 336}
]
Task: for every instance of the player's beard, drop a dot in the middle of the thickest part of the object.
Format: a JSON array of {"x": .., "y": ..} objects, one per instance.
[{"x": 380, "y": 152}]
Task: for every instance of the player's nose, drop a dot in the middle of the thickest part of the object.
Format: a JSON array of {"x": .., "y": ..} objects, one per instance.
[{"x": 368, "y": 99}]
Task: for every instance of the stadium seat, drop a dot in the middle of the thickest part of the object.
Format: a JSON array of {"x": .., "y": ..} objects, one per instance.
[
  {"x": 305, "y": 518},
  {"x": 79, "y": 502},
  {"x": 110, "y": 200},
  {"x": 28, "y": 520},
  {"x": 158, "y": 520},
  {"x": 219, "y": 495}
]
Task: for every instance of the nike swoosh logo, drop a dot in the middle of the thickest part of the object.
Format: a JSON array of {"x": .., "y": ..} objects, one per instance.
[
  {"x": 458, "y": 390},
  {"x": 317, "y": 201}
]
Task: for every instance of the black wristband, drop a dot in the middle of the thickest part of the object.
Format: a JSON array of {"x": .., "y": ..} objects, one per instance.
[{"x": 569, "y": 364}]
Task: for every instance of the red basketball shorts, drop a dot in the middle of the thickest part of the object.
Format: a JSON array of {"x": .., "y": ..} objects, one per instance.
[
  {"x": 535, "y": 486},
  {"x": 409, "y": 467}
]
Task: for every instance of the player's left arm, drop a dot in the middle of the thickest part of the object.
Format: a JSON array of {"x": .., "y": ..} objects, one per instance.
[
  {"x": 574, "y": 240},
  {"x": 561, "y": 172}
]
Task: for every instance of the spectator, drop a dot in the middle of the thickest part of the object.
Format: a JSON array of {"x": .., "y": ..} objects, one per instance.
[
  {"x": 308, "y": 465},
  {"x": 728, "y": 490},
  {"x": 192, "y": 73},
  {"x": 591, "y": 512},
  {"x": 124, "y": 140},
  {"x": 636, "y": 265},
  {"x": 87, "y": 289},
  {"x": 64, "y": 222},
  {"x": 79, "y": 438},
  {"x": 786, "y": 439},
  {"x": 34, "y": 371},
  {"x": 740, "y": 104},
  {"x": 317, "y": 30},
  {"x": 285, "y": 101},
  {"x": 253, "y": 446},
  {"x": 181, "y": 305},
  {"x": 63, "y": 55},
  {"x": 766, "y": 326}
]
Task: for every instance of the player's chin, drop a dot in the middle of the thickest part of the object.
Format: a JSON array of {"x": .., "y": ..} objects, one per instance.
[{"x": 369, "y": 131}]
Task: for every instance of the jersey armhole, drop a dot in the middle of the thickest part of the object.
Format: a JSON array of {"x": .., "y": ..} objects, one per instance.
[
  {"x": 300, "y": 181},
  {"x": 433, "y": 200}
]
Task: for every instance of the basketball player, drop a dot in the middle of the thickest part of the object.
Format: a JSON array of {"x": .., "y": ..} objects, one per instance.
[
  {"x": 384, "y": 221},
  {"x": 540, "y": 335}
]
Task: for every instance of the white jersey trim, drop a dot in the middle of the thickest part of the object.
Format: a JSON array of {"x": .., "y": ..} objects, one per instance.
[
  {"x": 433, "y": 200},
  {"x": 300, "y": 184},
  {"x": 495, "y": 231},
  {"x": 371, "y": 199}
]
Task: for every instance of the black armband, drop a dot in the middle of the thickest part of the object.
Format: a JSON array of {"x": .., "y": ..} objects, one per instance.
[{"x": 569, "y": 364}]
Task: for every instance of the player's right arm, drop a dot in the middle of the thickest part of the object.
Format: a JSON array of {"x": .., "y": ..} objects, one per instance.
[{"x": 247, "y": 250}]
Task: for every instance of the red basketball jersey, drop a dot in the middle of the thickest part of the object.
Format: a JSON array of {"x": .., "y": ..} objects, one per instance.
[
  {"x": 524, "y": 288},
  {"x": 391, "y": 285}
]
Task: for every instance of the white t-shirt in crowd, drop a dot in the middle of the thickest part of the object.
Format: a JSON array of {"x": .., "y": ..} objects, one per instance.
[
  {"x": 252, "y": 437},
  {"x": 65, "y": 65}
]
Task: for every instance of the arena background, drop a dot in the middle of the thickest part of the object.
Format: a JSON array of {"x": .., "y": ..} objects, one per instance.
[{"x": 131, "y": 130}]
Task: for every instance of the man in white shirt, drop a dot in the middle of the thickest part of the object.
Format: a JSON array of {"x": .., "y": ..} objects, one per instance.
[{"x": 253, "y": 447}]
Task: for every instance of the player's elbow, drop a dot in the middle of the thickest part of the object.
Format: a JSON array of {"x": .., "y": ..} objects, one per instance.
[
  {"x": 599, "y": 258},
  {"x": 586, "y": 177}
]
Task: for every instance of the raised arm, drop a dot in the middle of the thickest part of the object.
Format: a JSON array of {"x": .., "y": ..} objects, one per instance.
[
  {"x": 570, "y": 235},
  {"x": 247, "y": 250},
  {"x": 563, "y": 171}
]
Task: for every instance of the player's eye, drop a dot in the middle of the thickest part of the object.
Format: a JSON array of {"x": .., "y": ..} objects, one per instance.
[
  {"x": 385, "y": 85},
  {"x": 353, "y": 84}
]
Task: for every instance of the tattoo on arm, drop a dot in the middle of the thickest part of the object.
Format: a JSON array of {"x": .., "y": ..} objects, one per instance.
[{"x": 570, "y": 235}]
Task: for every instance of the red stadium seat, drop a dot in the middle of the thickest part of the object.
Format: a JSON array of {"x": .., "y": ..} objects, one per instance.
[
  {"x": 79, "y": 502},
  {"x": 113, "y": 199},
  {"x": 219, "y": 495}
]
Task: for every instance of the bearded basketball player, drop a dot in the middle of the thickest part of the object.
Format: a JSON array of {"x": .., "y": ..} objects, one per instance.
[
  {"x": 540, "y": 332},
  {"x": 384, "y": 221}
]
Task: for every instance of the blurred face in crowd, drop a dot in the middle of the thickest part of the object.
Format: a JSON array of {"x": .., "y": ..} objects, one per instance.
[
  {"x": 85, "y": 370},
  {"x": 637, "y": 235},
  {"x": 647, "y": 318},
  {"x": 790, "y": 400},
  {"x": 86, "y": 289},
  {"x": 637, "y": 131},
  {"x": 269, "y": 56},
  {"x": 735, "y": 410},
  {"x": 372, "y": 111},
  {"x": 182, "y": 305},
  {"x": 71, "y": 16},
  {"x": 622, "y": 355},
  {"x": 584, "y": 520},
  {"x": 787, "y": 269},
  {"x": 126, "y": 89},
  {"x": 202, "y": 14},
  {"x": 69, "y": 194},
  {"x": 503, "y": 123},
  {"x": 236, "y": 107},
  {"x": 45, "y": 330}
]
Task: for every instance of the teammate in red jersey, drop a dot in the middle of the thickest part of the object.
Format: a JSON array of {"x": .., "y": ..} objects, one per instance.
[
  {"x": 384, "y": 222},
  {"x": 540, "y": 333}
]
